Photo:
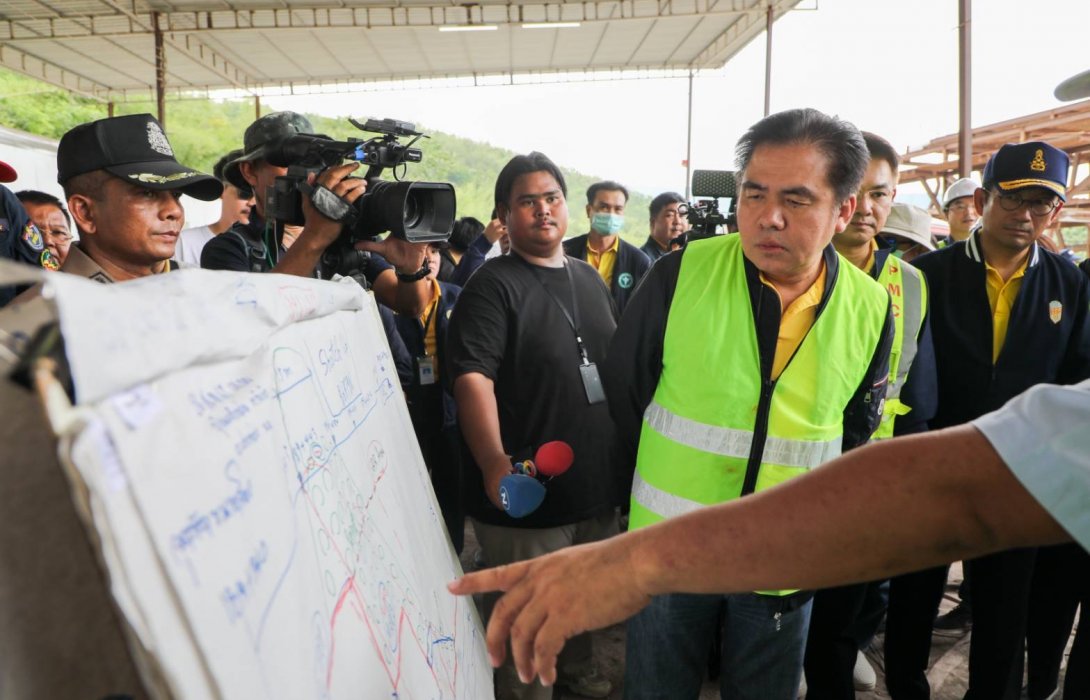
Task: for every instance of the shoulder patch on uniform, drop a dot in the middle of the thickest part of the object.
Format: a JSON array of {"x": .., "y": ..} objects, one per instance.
[
  {"x": 33, "y": 238},
  {"x": 49, "y": 261}
]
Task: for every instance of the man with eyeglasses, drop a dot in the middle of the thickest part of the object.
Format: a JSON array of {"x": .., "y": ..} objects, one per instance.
[{"x": 1006, "y": 315}]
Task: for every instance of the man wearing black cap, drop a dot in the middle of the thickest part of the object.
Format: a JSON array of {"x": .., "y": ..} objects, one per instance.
[
  {"x": 123, "y": 185},
  {"x": 1006, "y": 315},
  {"x": 398, "y": 283},
  {"x": 20, "y": 239}
]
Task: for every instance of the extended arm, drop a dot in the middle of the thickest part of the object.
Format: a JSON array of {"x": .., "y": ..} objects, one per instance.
[
  {"x": 896, "y": 506},
  {"x": 480, "y": 421}
]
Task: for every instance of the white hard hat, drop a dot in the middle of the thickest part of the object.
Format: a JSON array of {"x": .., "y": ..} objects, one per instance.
[{"x": 965, "y": 187}]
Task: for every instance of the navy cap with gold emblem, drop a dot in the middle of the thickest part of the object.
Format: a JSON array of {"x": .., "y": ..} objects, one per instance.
[
  {"x": 1016, "y": 166},
  {"x": 135, "y": 149}
]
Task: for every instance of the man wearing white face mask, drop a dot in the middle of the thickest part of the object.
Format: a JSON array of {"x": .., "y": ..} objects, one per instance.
[{"x": 620, "y": 264}]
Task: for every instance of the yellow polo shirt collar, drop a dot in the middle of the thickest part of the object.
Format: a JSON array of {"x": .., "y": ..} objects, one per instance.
[
  {"x": 796, "y": 320},
  {"x": 603, "y": 261},
  {"x": 1001, "y": 297}
]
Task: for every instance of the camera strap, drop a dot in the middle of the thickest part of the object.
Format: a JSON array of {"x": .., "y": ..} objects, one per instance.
[{"x": 573, "y": 322}]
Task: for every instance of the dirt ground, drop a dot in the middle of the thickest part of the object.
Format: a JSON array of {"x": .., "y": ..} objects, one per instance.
[{"x": 948, "y": 675}]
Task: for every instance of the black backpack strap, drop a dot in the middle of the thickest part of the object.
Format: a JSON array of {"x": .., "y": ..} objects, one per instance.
[{"x": 255, "y": 252}]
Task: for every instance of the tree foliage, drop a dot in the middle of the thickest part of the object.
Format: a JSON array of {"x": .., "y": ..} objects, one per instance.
[{"x": 203, "y": 130}]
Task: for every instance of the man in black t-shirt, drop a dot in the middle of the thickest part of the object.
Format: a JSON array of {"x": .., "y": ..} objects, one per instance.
[{"x": 526, "y": 329}]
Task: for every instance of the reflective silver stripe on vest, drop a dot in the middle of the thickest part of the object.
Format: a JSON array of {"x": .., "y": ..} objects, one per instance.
[
  {"x": 912, "y": 308},
  {"x": 661, "y": 502},
  {"x": 729, "y": 442}
]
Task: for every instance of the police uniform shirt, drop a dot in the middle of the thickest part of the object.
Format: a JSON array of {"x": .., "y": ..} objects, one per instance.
[{"x": 20, "y": 240}]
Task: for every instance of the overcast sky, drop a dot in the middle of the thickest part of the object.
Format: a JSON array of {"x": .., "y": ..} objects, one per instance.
[{"x": 889, "y": 66}]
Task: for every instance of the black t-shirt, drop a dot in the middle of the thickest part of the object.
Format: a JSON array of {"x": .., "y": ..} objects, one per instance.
[
  {"x": 245, "y": 248},
  {"x": 506, "y": 327}
]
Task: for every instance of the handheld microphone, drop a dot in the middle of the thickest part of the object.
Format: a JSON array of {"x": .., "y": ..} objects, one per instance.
[
  {"x": 521, "y": 494},
  {"x": 523, "y": 490},
  {"x": 551, "y": 459}
]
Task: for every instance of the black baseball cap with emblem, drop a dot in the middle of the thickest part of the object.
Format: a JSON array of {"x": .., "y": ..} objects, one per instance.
[
  {"x": 266, "y": 131},
  {"x": 135, "y": 149},
  {"x": 1016, "y": 166}
]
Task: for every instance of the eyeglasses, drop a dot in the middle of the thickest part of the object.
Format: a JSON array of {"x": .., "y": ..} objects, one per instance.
[
  {"x": 1037, "y": 207},
  {"x": 961, "y": 206}
]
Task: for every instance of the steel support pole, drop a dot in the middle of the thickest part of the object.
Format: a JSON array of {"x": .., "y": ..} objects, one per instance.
[
  {"x": 965, "y": 61},
  {"x": 768, "y": 60},
  {"x": 160, "y": 70},
  {"x": 110, "y": 109},
  {"x": 689, "y": 143},
  {"x": 257, "y": 107}
]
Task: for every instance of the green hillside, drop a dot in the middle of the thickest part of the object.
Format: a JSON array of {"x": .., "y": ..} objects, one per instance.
[{"x": 202, "y": 130}]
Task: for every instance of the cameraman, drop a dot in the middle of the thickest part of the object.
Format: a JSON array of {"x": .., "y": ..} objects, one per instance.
[{"x": 396, "y": 280}]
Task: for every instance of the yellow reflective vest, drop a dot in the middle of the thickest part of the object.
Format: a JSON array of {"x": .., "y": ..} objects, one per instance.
[
  {"x": 716, "y": 428},
  {"x": 908, "y": 296}
]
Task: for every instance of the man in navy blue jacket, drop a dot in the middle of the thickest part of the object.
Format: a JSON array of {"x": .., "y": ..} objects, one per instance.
[
  {"x": 431, "y": 405},
  {"x": 621, "y": 264},
  {"x": 1006, "y": 315}
]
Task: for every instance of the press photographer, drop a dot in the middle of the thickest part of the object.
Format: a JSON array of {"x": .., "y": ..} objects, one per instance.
[{"x": 397, "y": 277}]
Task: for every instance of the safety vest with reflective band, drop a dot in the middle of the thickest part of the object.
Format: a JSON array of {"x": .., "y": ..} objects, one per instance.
[
  {"x": 908, "y": 295},
  {"x": 715, "y": 417}
]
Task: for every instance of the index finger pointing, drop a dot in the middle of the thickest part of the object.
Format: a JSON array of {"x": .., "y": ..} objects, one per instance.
[{"x": 500, "y": 578}]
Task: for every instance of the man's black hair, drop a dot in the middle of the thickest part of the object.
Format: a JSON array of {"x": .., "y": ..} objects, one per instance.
[
  {"x": 522, "y": 165},
  {"x": 606, "y": 186},
  {"x": 38, "y": 197},
  {"x": 466, "y": 230},
  {"x": 839, "y": 141},
  {"x": 880, "y": 148},
  {"x": 221, "y": 164},
  {"x": 661, "y": 201}
]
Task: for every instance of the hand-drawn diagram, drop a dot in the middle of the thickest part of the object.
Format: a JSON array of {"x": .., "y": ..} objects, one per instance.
[{"x": 293, "y": 518}]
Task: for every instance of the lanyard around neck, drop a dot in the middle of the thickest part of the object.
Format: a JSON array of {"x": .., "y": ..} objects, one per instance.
[{"x": 573, "y": 322}]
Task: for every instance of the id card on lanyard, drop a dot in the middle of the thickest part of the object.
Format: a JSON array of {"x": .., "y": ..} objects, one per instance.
[
  {"x": 588, "y": 371},
  {"x": 425, "y": 364}
]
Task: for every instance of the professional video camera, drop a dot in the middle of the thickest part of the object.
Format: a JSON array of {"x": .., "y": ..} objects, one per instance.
[
  {"x": 703, "y": 214},
  {"x": 419, "y": 212}
]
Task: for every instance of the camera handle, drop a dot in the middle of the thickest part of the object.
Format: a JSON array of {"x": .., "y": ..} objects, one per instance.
[{"x": 329, "y": 204}]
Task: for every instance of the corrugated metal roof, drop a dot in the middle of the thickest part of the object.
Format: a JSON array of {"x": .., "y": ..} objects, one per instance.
[{"x": 106, "y": 48}]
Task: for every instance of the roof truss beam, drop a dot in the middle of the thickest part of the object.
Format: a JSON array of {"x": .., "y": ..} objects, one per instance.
[
  {"x": 35, "y": 67},
  {"x": 125, "y": 22}
]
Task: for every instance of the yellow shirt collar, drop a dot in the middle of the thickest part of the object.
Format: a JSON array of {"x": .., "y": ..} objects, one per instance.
[{"x": 616, "y": 245}]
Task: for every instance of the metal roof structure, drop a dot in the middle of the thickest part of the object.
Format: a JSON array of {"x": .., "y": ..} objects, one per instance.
[
  {"x": 107, "y": 49},
  {"x": 936, "y": 165}
]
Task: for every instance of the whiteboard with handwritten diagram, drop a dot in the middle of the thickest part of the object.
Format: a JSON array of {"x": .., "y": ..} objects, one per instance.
[{"x": 265, "y": 516}]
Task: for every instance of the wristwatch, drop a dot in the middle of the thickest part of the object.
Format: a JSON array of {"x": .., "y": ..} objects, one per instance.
[{"x": 410, "y": 277}]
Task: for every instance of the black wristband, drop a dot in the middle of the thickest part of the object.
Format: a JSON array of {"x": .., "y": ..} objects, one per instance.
[{"x": 411, "y": 277}]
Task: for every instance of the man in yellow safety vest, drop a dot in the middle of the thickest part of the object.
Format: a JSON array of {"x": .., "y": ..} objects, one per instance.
[{"x": 744, "y": 361}]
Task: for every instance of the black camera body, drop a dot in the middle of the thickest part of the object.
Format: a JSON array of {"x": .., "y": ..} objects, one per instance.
[
  {"x": 703, "y": 214},
  {"x": 419, "y": 212}
]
